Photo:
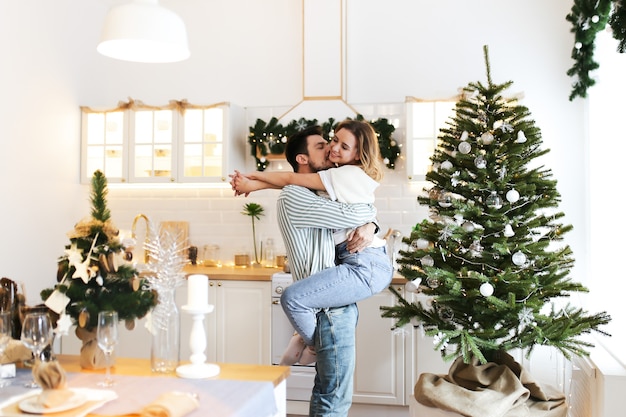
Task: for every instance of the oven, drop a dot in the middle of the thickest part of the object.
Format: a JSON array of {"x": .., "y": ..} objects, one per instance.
[{"x": 300, "y": 382}]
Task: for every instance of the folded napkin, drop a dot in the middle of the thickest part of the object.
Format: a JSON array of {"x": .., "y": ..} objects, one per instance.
[
  {"x": 171, "y": 404},
  {"x": 50, "y": 376},
  {"x": 15, "y": 352}
]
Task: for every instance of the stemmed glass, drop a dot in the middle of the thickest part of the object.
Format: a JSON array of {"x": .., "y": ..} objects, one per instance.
[
  {"x": 36, "y": 335},
  {"x": 5, "y": 337},
  {"x": 107, "y": 339}
]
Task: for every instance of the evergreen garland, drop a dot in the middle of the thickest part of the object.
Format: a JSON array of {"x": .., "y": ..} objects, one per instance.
[
  {"x": 490, "y": 258},
  {"x": 588, "y": 17},
  {"x": 89, "y": 274},
  {"x": 269, "y": 138}
]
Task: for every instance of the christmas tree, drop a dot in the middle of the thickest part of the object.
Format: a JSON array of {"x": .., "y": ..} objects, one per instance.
[
  {"x": 491, "y": 259},
  {"x": 92, "y": 274}
]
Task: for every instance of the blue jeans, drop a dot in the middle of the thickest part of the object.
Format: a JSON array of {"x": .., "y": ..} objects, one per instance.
[
  {"x": 336, "y": 357},
  {"x": 356, "y": 277}
]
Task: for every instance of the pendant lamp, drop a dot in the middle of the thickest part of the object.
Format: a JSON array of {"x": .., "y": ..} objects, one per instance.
[{"x": 143, "y": 31}]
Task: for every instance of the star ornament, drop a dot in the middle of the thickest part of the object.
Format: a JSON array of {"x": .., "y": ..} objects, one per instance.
[
  {"x": 63, "y": 325},
  {"x": 82, "y": 271},
  {"x": 74, "y": 255}
]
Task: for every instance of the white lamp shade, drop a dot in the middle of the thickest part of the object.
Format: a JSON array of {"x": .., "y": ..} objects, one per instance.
[{"x": 143, "y": 31}]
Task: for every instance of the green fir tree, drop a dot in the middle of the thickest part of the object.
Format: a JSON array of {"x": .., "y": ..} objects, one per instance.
[
  {"x": 93, "y": 274},
  {"x": 491, "y": 258}
]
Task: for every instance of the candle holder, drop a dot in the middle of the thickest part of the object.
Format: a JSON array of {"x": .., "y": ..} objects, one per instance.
[{"x": 198, "y": 368}]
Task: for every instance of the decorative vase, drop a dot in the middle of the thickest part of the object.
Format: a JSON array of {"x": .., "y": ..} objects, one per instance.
[
  {"x": 91, "y": 356},
  {"x": 165, "y": 328}
]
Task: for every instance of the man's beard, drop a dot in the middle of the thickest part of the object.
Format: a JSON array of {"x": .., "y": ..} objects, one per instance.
[{"x": 320, "y": 167}]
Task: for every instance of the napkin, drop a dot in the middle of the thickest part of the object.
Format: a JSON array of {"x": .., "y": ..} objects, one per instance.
[
  {"x": 171, "y": 404},
  {"x": 15, "y": 352},
  {"x": 50, "y": 376}
]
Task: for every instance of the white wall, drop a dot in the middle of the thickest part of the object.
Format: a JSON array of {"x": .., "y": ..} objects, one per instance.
[{"x": 250, "y": 53}]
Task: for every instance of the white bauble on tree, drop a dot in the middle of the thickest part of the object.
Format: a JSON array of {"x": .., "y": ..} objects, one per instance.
[{"x": 486, "y": 289}]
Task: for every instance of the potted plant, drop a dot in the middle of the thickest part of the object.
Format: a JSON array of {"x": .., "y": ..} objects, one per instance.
[{"x": 255, "y": 211}]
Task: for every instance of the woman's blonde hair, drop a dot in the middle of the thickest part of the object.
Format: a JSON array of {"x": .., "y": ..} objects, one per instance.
[{"x": 369, "y": 149}]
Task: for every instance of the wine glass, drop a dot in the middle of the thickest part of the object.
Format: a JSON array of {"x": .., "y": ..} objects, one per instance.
[
  {"x": 107, "y": 339},
  {"x": 36, "y": 335},
  {"x": 5, "y": 337}
]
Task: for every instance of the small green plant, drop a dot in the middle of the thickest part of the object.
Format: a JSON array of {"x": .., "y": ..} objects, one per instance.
[{"x": 255, "y": 211}]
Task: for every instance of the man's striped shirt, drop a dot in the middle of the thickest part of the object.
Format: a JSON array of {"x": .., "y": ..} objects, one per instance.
[{"x": 306, "y": 221}]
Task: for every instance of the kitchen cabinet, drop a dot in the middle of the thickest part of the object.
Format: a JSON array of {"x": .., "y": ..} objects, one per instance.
[
  {"x": 237, "y": 330},
  {"x": 177, "y": 143},
  {"x": 383, "y": 356}
]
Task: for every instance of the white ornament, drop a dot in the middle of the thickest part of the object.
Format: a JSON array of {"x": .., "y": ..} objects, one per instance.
[
  {"x": 63, "y": 324},
  {"x": 519, "y": 258},
  {"x": 413, "y": 286},
  {"x": 578, "y": 45},
  {"x": 427, "y": 261},
  {"x": 421, "y": 243},
  {"x": 468, "y": 226},
  {"x": 486, "y": 289},
  {"x": 446, "y": 165},
  {"x": 512, "y": 195},
  {"x": 487, "y": 138},
  {"x": 595, "y": 18},
  {"x": 480, "y": 162},
  {"x": 465, "y": 148},
  {"x": 508, "y": 231},
  {"x": 386, "y": 161},
  {"x": 521, "y": 137},
  {"x": 464, "y": 135}
]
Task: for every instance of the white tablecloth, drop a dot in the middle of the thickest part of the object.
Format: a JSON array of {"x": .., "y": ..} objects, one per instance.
[{"x": 223, "y": 398}]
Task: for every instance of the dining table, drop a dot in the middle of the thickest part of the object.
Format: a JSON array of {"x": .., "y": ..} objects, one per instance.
[{"x": 238, "y": 390}]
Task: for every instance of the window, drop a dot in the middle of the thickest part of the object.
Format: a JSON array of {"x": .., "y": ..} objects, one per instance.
[
  {"x": 424, "y": 120},
  {"x": 178, "y": 142}
]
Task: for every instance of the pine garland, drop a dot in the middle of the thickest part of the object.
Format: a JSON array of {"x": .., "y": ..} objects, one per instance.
[
  {"x": 270, "y": 138},
  {"x": 588, "y": 17}
]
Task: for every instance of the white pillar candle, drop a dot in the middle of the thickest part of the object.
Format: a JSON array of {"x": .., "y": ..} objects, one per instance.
[{"x": 197, "y": 291}]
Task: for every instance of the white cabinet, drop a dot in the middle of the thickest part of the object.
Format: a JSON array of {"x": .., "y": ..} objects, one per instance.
[
  {"x": 382, "y": 355},
  {"x": 177, "y": 143},
  {"x": 238, "y": 330}
]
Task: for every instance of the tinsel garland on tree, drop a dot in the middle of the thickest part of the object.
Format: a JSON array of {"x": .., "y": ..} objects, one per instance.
[
  {"x": 588, "y": 17},
  {"x": 490, "y": 260},
  {"x": 270, "y": 138},
  {"x": 92, "y": 275}
]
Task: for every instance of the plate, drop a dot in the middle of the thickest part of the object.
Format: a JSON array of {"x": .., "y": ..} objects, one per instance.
[{"x": 33, "y": 406}]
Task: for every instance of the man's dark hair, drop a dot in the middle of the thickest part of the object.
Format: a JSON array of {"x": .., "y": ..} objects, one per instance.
[{"x": 297, "y": 144}]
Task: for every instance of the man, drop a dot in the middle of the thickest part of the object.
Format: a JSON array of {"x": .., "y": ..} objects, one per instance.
[{"x": 306, "y": 222}]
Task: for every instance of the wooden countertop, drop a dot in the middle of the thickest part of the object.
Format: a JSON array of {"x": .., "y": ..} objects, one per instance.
[
  {"x": 141, "y": 367},
  {"x": 235, "y": 273}
]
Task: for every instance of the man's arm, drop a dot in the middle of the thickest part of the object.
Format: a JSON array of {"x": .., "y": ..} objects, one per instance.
[{"x": 361, "y": 237}]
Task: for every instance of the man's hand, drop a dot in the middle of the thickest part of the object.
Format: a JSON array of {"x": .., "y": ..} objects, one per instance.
[{"x": 361, "y": 237}]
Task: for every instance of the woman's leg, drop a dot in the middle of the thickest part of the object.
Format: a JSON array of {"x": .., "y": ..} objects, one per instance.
[{"x": 358, "y": 277}]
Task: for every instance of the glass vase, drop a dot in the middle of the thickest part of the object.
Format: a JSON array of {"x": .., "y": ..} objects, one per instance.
[{"x": 165, "y": 351}]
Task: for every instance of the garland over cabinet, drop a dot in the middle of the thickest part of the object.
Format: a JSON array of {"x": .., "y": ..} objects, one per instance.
[{"x": 176, "y": 143}]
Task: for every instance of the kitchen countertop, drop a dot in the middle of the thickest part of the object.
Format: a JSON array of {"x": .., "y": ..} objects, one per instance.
[{"x": 238, "y": 273}]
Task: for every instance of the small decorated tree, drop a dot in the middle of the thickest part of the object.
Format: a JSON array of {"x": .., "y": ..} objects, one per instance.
[{"x": 93, "y": 276}]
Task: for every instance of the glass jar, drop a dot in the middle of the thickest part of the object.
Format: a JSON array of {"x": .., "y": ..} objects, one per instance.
[{"x": 165, "y": 352}]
